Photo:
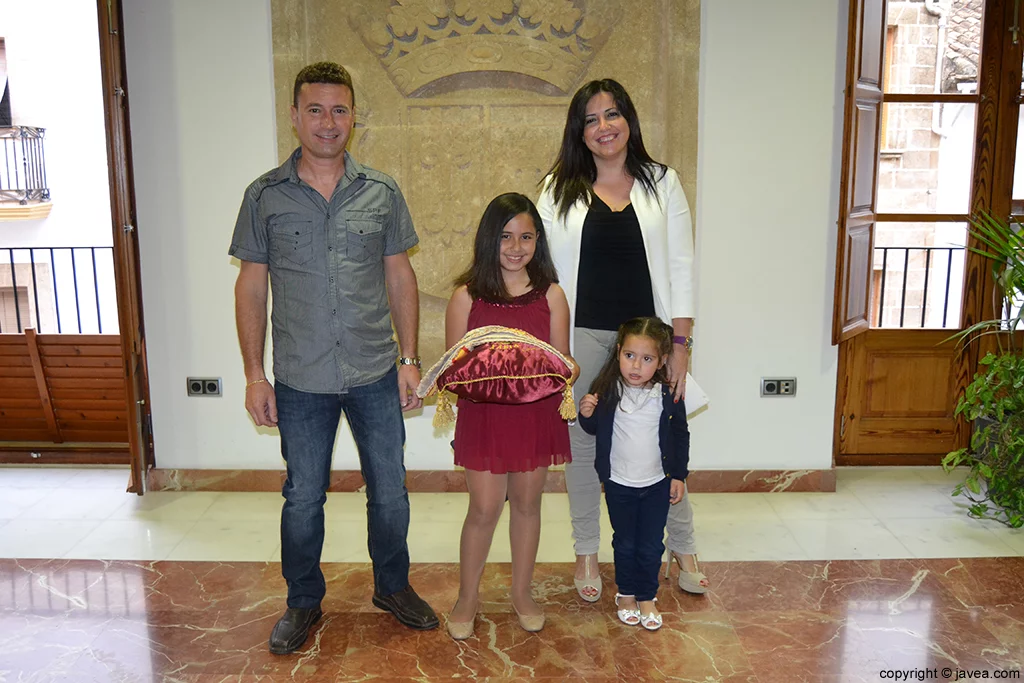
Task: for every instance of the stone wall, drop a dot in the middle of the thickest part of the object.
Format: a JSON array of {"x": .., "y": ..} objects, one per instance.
[{"x": 461, "y": 101}]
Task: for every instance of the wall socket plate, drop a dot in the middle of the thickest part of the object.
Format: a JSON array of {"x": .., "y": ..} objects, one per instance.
[
  {"x": 203, "y": 386},
  {"x": 778, "y": 386}
]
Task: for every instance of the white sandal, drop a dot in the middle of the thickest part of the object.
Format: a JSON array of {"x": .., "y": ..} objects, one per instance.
[
  {"x": 629, "y": 617},
  {"x": 690, "y": 582},
  {"x": 588, "y": 589},
  {"x": 652, "y": 621}
]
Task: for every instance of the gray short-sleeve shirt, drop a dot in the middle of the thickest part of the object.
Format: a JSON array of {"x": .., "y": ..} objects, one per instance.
[{"x": 331, "y": 322}]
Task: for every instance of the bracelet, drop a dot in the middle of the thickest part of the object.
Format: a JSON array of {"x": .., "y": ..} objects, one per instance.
[
  {"x": 405, "y": 360},
  {"x": 685, "y": 342},
  {"x": 255, "y": 381}
]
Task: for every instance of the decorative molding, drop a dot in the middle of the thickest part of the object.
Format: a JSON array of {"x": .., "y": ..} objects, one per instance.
[
  {"x": 449, "y": 481},
  {"x": 421, "y": 41},
  {"x": 24, "y": 212}
]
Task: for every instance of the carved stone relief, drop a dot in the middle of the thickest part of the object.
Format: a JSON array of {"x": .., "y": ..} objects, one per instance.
[{"x": 461, "y": 100}]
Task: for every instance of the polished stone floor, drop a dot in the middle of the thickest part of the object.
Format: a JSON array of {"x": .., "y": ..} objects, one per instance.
[
  {"x": 87, "y": 620},
  {"x": 885, "y": 575}
]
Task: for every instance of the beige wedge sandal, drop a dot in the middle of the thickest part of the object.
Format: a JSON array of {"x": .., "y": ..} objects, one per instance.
[
  {"x": 589, "y": 589},
  {"x": 691, "y": 582}
]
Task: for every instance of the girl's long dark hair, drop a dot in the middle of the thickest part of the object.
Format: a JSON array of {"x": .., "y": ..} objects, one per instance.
[
  {"x": 606, "y": 384},
  {"x": 483, "y": 278},
  {"x": 574, "y": 172}
]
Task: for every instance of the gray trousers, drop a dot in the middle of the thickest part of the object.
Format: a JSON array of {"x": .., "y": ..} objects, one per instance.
[{"x": 591, "y": 350}]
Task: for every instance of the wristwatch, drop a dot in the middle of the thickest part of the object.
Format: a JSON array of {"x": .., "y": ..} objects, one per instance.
[
  {"x": 404, "y": 360},
  {"x": 685, "y": 342}
]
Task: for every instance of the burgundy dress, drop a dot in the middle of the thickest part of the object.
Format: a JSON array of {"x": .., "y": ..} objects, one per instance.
[{"x": 499, "y": 438}]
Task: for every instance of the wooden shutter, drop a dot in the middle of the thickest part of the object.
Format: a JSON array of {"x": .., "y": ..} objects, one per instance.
[
  {"x": 126, "y": 247},
  {"x": 861, "y": 134}
]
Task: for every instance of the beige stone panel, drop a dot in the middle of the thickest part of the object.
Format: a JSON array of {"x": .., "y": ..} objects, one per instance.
[{"x": 462, "y": 101}]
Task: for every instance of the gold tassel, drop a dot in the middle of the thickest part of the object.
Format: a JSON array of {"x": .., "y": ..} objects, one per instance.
[
  {"x": 567, "y": 409},
  {"x": 444, "y": 416}
]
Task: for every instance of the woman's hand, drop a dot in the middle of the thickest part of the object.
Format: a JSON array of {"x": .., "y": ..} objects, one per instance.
[
  {"x": 575, "y": 371},
  {"x": 587, "y": 405},
  {"x": 676, "y": 491},
  {"x": 677, "y": 365}
]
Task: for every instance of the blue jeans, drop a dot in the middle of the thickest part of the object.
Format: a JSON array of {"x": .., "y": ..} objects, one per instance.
[
  {"x": 308, "y": 424},
  {"x": 638, "y": 521}
]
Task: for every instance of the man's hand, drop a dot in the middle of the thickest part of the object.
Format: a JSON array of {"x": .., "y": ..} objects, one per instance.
[
  {"x": 408, "y": 380},
  {"x": 676, "y": 491},
  {"x": 587, "y": 405},
  {"x": 677, "y": 364},
  {"x": 261, "y": 402}
]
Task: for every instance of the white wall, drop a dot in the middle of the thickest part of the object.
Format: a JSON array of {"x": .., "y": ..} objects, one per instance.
[
  {"x": 53, "y": 61},
  {"x": 772, "y": 76},
  {"x": 203, "y": 127}
]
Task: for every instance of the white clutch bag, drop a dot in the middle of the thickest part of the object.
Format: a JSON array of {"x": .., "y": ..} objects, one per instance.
[{"x": 696, "y": 400}]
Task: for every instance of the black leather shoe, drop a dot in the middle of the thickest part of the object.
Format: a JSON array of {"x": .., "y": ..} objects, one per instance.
[
  {"x": 291, "y": 630},
  {"x": 409, "y": 608}
]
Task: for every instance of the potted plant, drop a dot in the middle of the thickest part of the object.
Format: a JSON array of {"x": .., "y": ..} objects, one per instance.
[{"x": 994, "y": 400}]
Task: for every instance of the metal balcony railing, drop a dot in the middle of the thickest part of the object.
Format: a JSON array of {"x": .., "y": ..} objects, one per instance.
[
  {"x": 23, "y": 167},
  {"x": 917, "y": 287},
  {"x": 58, "y": 290}
]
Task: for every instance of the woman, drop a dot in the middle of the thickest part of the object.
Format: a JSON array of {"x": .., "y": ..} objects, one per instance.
[{"x": 621, "y": 237}]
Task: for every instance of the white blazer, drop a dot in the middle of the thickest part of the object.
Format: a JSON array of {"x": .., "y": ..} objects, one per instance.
[{"x": 667, "y": 232}]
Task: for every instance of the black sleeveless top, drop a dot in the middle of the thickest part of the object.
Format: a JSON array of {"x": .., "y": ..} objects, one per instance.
[{"x": 613, "y": 282}]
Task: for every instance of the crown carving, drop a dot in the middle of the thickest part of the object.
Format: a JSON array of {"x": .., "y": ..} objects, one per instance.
[{"x": 421, "y": 41}]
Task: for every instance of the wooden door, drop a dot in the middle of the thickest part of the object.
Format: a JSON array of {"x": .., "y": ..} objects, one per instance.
[
  {"x": 897, "y": 388},
  {"x": 862, "y": 124},
  {"x": 903, "y": 399},
  {"x": 126, "y": 247}
]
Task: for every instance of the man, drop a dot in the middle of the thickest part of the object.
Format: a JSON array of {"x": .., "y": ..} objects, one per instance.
[{"x": 332, "y": 235}]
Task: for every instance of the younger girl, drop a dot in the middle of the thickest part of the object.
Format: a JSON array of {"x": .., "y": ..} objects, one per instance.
[
  {"x": 507, "y": 449},
  {"x": 643, "y": 448}
]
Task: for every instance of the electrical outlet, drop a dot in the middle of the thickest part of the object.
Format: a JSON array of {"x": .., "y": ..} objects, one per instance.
[
  {"x": 775, "y": 386},
  {"x": 203, "y": 386}
]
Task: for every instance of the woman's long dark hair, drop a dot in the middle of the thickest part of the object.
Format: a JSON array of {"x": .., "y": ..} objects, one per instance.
[
  {"x": 606, "y": 384},
  {"x": 574, "y": 172},
  {"x": 483, "y": 278}
]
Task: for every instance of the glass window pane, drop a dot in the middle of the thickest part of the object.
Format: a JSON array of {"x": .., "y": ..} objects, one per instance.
[
  {"x": 918, "y": 275},
  {"x": 926, "y": 158},
  {"x": 933, "y": 47}
]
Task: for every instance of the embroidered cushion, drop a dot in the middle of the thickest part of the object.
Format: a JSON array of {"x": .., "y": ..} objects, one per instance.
[{"x": 499, "y": 365}]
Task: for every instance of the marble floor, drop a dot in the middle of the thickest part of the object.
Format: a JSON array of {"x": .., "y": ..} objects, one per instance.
[{"x": 886, "y": 574}]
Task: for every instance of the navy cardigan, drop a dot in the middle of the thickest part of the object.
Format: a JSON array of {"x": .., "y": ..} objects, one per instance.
[{"x": 673, "y": 435}]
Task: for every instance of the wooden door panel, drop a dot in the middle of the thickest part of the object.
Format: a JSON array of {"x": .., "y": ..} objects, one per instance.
[
  {"x": 861, "y": 116},
  {"x": 900, "y": 395},
  {"x": 871, "y": 50},
  {"x": 911, "y": 383},
  {"x": 865, "y": 157},
  {"x": 858, "y": 255}
]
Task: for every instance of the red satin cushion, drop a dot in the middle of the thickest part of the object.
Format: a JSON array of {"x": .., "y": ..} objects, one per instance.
[{"x": 505, "y": 372}]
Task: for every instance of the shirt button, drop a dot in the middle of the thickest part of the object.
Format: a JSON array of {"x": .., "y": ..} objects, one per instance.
[
  {"x": 332, "y": 279},
  {"x": 335, "y": 311},
  {"x": 337, "y": 343},
  {"x": 330, "y": 248}
]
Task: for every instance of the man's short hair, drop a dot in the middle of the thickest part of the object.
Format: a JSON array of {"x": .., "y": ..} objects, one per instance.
[{"x": 323, "y": 72}]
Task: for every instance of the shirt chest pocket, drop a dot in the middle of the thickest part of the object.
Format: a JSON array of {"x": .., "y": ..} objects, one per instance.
[
  {"x": 292, "y": 241},
  {"x": 365, "y": 235}
]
